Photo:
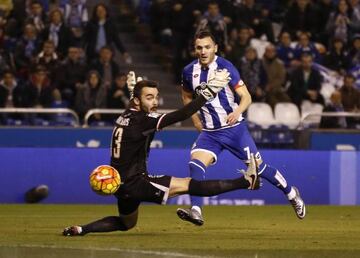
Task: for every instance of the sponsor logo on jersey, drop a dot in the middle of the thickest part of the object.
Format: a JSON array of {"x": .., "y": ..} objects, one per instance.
[{"x": 154, "y": 114}]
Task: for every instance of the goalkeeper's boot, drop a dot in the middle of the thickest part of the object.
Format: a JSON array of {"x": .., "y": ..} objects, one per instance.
[
  {"x": 190, "y": 215},
  {"x": 73, "y": 231},
  {"x": 298, "y": 204},
  {"x": 251, "y": 174}
]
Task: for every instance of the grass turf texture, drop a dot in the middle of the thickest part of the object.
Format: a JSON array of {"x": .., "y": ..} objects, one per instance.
[{"x": 229, "y": 231}]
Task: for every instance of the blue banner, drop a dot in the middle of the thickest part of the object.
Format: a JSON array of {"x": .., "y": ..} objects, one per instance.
[
  {"x": 323, "y": 177},
  {"x": 335, "y": 140},
  {"x": 85, "y": 137}
]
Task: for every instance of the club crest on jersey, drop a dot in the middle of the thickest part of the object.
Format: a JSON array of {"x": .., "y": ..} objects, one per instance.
[{"x": 196, "y": 75}]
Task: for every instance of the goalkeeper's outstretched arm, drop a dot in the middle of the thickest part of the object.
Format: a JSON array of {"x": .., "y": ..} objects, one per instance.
[
  {"x": 217, "y": 82},
  {"x": 182, "y": 113}
]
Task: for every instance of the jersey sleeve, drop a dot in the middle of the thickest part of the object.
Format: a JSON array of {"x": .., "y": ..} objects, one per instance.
[
  {"x": 151, "y": 121},
  {"x": 185, "y": 81},
  {"x": 236, "y": 80}
]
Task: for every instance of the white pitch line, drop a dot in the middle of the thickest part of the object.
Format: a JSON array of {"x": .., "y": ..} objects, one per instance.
[{"x": 146, "y": 252}]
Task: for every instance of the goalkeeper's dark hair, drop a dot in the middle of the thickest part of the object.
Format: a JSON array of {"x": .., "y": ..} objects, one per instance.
[
  {"x": 138, "y": 89},
  {"x": 204, "y": 34},
  {"x": 142, "y": 84}
]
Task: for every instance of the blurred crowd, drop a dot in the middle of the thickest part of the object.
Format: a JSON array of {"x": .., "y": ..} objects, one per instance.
[
  {"x": 59, "y": 54},
  {"x": 285, "y": 50}
]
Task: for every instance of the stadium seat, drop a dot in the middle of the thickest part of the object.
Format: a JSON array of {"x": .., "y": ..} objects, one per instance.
[
  {"x": 288, "y": 114},
  {"x": 261, "y": 114},
  {"x": 307, "y": 108},
  {"x": 280, "y": 135},
  {"x": 259, "y": 135}
]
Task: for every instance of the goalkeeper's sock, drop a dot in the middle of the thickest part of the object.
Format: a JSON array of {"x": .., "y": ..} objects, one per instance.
[
  {"x": 197, "y": 171},
  {"x": 274, "y": 177},
  {"x": 215, "y": 187},
  {"x": 107, "y": 224}
]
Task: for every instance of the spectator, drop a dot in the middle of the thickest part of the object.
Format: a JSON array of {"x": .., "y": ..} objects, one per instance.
[
  {"x": 11, "y": 93},
  {"x": 253, "y": 74},
  {"x": 276, "y": 76},
  {"x": 305, "y": 82},
  {"x": 304, "y": 45},
  {"x": 343, "y": 22},
  {"x": 91, "y": 94},
  {"x": 76, "y": 18},
  {"x": 38, "y": 89},
  {"x": 26, "y": 50},
  {"x": 58, "y": 32},
  {"x": 354, "y": 5},
  {"x": 182, "y": 28},
  {"x": 286, "y": 52},
  {"x": 37, "y": 16},
  {"x": 350, "y": 99},
  {"x": 70, "y": 74},
  {"x": 239, "y": 46},
  {"x": 257, "y": 18},
  {"x": 101, "y": 31},
  {"x": 118, "y": 94},
  {"x": 106, "y": 66},
  {"x": 160, "y": 21},
  {"x": 337, "y": 57},
  {"x": 301, "y": 16},
  {"x": 354, "y": 52},
  {"x": 335, "y": 105},
  {"x": 213, "y": 21},
  {"x": 48, "y": 58},
  {"x": 324, "y": 9},
  {"x": 6, "y": 6}
]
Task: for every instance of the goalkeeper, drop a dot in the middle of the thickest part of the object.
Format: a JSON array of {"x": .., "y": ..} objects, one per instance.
[{"x": 130, "y": 146}]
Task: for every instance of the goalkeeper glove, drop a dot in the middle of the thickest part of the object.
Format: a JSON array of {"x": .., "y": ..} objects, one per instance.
[
  {"x": 218, "y": 80},
  {"x": 131, "y": 81}
]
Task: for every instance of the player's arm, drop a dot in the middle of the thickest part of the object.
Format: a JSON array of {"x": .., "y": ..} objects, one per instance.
[
  {"x": 245, "y": 101},
  {"x": 182, "y": 113},
  {"x": 217, "y": 81},
  {"x": 187, "y": 98}
]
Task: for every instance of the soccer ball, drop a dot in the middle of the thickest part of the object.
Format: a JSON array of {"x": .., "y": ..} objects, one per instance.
[{"x": 105, "y": 180}]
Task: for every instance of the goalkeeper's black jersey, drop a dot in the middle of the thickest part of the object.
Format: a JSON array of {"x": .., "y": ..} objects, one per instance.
[
  {"x": 131, "y": 140},
  {"x": 133, "y": 133}
]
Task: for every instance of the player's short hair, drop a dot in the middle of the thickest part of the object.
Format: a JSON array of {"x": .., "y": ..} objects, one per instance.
[
  {"x": 204, "y": 34},
  {"x": 142, "y": 84}
]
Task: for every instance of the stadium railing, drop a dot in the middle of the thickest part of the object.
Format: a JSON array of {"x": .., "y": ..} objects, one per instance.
[
  {"x": 310, "y": 116},
  {"x": 60, "y": 116}
]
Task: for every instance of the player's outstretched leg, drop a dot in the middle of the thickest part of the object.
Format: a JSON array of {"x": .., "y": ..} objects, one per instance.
[
  {"x": 73, "y": 231},
  {"x": 250, "y": 176},
  {"x": 297, "y": 203},
  {"x": 193, "y": 214},
  {"x": 107, "y": 224},
  {"x": 274, "y": 176}
]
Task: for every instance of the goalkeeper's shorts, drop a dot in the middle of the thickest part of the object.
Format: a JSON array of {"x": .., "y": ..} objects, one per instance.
[{"x": 142, "y": 188}]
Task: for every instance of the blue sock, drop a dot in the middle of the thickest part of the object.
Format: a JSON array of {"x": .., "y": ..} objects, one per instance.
[
  {"x": 274, "y": 177},
  {"x": 197, "y": 171}
]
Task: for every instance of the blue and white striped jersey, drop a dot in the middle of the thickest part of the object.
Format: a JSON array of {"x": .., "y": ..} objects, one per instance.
[{"x": 213, "y": 113}]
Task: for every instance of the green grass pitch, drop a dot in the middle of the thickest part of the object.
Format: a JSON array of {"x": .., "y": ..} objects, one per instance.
[{"x": 229, "y": 231}]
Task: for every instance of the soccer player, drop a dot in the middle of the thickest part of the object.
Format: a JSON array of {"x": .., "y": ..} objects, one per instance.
[
  {"x": 131, "y": 139},
  {"x": 222, "y": 125}
]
